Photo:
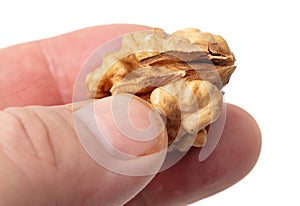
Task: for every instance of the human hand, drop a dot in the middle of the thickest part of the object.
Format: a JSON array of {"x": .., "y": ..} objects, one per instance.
[{"x": 42, "y": 161}]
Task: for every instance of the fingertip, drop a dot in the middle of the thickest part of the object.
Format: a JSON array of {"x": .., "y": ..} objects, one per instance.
[
  {"x": 247, "y": 131},
  {"x": 234, "y": 157},
  {"x": 130, "y": 125},
  {"x": 118, "y": 133},
  {"x": 238, "y": 149}
]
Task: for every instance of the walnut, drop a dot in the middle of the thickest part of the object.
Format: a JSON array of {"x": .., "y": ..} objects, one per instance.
[{"x": 180, "y": 74}]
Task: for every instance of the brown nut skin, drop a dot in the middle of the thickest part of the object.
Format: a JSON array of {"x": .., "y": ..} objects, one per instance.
[
  {"x": 189, "y": 106},
  {"x": 214, "y": 44},
  {"x": 187, "y": 50},
  {"x": 180, "y": 74}
]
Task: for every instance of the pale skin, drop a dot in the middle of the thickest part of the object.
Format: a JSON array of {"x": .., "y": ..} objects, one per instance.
[{"x": 43, "y": 163}]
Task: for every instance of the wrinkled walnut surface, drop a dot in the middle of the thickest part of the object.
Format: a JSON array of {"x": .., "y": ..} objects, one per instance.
[{"x": 180, "y": 74}]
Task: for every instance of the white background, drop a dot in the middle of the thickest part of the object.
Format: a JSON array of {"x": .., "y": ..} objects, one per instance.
[{"x": 263, "y": 36}]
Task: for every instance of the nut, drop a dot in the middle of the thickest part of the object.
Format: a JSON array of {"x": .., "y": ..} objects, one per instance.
[{"x": 180, "y": 74}]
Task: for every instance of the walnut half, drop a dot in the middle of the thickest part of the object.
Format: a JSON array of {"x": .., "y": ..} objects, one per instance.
[{"x": 180, "y": 74}]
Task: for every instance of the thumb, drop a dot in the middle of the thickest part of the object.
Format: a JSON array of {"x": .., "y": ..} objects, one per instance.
[{"x": 45, "y": 163}]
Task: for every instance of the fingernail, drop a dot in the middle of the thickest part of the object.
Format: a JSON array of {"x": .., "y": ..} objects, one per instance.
[
  {"x": 121, "y": 133},
  {"x": 72, "y": 107}
]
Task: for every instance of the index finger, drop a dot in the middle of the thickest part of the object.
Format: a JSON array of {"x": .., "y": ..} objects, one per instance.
[{"x": 43, "y": 72}]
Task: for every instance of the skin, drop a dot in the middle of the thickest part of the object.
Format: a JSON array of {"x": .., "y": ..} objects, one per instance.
[{"x": 43, "y": 163}]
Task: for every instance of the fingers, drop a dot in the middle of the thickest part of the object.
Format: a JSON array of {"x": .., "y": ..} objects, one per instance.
[
  {"x": 43, "y": 72},
  {"x": 45, "y": 164},
  {"x": 191, "y": 180}
]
